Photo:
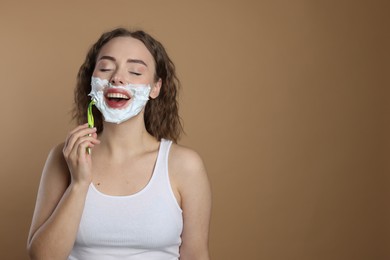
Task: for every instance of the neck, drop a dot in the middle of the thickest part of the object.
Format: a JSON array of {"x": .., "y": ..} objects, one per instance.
[{"x": 127, "y": 138}]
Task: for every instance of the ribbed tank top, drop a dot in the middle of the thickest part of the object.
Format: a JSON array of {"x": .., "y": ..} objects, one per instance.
[{"x": 144, "y": 225}]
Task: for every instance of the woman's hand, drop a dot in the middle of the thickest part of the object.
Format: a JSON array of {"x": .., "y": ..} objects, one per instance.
[{"x": 76, "y": 155}]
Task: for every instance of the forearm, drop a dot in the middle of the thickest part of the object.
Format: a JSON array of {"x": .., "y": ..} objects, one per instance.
[{"x": 55, "y": 238}]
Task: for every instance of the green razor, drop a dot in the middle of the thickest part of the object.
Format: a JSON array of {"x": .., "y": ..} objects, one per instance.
[{"x": 91, "y": 122}]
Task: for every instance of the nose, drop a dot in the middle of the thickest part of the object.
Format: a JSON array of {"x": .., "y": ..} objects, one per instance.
[{"x": 117, "y": 79}]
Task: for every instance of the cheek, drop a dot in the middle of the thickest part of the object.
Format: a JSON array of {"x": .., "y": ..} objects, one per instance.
[
  {"x": 97, "y": 74},
  {"x": 147, "y": 75}
]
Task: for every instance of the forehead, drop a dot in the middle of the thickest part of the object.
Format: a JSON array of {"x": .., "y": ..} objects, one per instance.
[{"x": 123, "y": 48}]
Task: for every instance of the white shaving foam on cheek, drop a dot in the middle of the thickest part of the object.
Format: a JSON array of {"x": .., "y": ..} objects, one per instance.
[{"x": 139, "y": 97}]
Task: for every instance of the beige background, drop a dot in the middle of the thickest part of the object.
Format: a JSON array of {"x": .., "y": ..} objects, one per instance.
[{"x": 287, "y": 102}]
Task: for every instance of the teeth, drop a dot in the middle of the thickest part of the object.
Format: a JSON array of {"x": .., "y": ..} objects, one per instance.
[{"x": 117, "y": 95}]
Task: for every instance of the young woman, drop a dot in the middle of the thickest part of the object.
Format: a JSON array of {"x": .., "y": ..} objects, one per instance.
[{"x": 124, "y": 189}]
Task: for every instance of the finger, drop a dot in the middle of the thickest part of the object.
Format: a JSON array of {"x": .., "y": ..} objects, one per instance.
[
  {"x": 85, "y": 138},
  {"x": 80, "y": 133},
  {"x": 82, "y": 148},
  {"x": 90, "y": 147},
  {"x": 79, "y": 128},
  {"x": 70, "y": 134},
  {"x": 85, "y": 141}
]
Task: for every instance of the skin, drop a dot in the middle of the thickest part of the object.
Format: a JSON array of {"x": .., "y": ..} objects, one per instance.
[{"x": 121, "y": 163}]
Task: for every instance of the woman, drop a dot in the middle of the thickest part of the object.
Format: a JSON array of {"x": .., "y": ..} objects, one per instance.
[{"x": 123, "y": 189}]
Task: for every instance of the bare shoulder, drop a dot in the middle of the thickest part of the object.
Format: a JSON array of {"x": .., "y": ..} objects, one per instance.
[
  {"x": 55, "y": 170},
  {"x": 185, "y": 160},
  {"x": 56, "y": 152},
  {"x": 56, "y": 158},
  {"x": 188, "y": 173}
]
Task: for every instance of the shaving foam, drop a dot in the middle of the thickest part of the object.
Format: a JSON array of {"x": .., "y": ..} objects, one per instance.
[{"x": 139, "y": 94}]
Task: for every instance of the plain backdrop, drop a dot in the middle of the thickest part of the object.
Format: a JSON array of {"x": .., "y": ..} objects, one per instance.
[{"x": 286, "y": 101}]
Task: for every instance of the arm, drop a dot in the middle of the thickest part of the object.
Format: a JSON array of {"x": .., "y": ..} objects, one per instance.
[
  {"x": 60, "y": 199},
  {"x": 192, "y": 184}
]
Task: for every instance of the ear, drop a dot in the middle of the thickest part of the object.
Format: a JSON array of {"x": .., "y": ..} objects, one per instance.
[{"x": 155, "y": 91}]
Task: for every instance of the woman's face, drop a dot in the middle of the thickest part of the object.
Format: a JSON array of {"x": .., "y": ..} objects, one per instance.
[
  {"x": 125, "y": 60},
  {"x": 123, "y": 79}
]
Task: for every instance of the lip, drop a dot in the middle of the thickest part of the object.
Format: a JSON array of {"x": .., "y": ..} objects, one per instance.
[{"x": 123, "y": 103}]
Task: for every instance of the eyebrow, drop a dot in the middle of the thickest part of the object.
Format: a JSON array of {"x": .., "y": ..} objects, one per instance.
[
  {"x": 137, "y": 61},
  {"x": 128, "y": 61}
]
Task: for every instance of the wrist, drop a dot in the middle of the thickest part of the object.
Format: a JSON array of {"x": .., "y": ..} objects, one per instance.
[{"x": 81, "y": 186}]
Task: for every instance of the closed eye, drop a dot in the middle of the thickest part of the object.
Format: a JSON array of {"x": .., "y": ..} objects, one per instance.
[
  {"x": 135, "y": 73},
  {"x": 104, "y": 70}
]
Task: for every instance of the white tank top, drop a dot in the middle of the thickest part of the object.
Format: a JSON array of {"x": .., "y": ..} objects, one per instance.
[{"x": 145, "y": 225}]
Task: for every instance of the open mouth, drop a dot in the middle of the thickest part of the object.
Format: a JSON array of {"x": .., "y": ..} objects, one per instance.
[{"x": 117, "y": 98}]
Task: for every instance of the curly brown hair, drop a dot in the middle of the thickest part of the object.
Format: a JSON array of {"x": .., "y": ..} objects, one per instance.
[{"x": 161, "y": 114}]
